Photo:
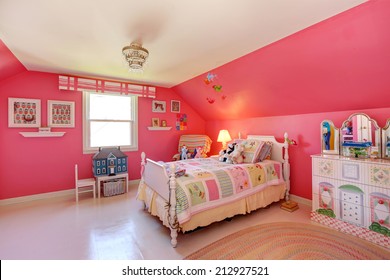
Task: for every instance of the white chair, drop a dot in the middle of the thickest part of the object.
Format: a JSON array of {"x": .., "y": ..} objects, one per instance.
[{"x": 84, "y": 185}]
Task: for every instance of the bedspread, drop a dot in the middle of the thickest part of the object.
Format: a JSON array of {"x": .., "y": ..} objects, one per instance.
[{"x": 209, "y": 183}]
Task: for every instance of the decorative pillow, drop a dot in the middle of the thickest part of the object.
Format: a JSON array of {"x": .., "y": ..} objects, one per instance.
[
  {"x": 265, "y": 152},
  {"x": 252, "y": 148}
]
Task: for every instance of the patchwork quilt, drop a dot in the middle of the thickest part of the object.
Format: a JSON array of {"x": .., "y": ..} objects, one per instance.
[{"x": 208, "y": 183}]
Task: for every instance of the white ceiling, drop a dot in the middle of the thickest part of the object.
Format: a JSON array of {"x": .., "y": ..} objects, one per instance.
[{"x": 185, "y": 38}]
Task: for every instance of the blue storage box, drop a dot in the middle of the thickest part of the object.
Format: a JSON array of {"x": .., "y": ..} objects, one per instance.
[{"x": 357, "y": 149}]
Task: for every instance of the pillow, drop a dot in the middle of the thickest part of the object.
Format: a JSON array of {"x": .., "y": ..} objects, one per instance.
[
  {"x": 265, "y": 152},
  {"x": 268, "y": 156},
  {"x": 252, "y": 149}
]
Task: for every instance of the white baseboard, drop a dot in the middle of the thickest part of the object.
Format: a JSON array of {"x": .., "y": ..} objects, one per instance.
[
  {"x": 48, "y": 195},
  {"x": 300, "y": 200},
  {"x": 28, "y": 198}
]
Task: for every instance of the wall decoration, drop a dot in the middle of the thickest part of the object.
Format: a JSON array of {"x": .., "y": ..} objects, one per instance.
[
  {"x": 159, "y": 106},
  {"x": 24, "y": 112},
  {"x": 60, "y": 113},
  {"x": 155, "y": 122},
  {"x": 211, "y": 79},
  {"x": 175, "y": 106},
  {"x": 181, "y": 121},
  {"x": 163, "y": 123}
]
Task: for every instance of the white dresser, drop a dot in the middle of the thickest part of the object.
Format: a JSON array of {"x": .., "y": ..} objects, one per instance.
[{"x": 353, "y": 196}]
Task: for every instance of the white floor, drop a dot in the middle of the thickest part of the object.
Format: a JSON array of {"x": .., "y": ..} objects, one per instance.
[{"x": 110, "y": 228}]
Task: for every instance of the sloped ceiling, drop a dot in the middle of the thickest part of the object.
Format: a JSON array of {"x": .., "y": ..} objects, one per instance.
[
  {"x": 185, "y": 38},
  {"x": 340, "y": 64}
]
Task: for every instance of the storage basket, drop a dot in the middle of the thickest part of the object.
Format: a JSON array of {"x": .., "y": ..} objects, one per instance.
[{"x": 111, "y": 188}]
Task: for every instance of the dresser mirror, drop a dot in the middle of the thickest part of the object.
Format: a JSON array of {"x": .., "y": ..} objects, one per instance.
[
  {"x": 329, "y": 138},
  {"x": 360, "y": 128},
  {"x": 386, "y": 140}
]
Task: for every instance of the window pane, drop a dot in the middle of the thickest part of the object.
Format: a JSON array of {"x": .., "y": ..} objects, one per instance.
[
  {"x": 110, "y": 134},
  {"x": 109, "y": 107}
]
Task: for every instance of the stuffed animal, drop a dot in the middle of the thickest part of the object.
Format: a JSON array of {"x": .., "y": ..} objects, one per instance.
[
  {"x": 225, "y": 155},
  {"x": 184, "y": 152},
  {"x": 222, "y": 155},
  {"x": 236, "y": 155},
  {"x": 198, "y": 152}
]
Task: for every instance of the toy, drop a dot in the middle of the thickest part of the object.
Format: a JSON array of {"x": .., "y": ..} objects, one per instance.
[
  {"x": 221, "y": 155},
  {"x": 184, "y": 152},
  {"x": 198, "y": 152},
  {"x": 236, "y": 155},
  {"x": 225, "y": 155},
  {"x": 109, "y": 161}
]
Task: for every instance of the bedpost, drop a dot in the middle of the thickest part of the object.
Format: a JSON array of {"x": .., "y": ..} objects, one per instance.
[
  {"x": 172, "y": 205},
  {"x": 142, "y": 180},
  {"x": 286, "y": 166},
  {"x": 143, "y": 163}
]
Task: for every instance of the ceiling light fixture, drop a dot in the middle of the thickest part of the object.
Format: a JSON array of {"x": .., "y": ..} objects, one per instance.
[{"x": 135, "y": 56}]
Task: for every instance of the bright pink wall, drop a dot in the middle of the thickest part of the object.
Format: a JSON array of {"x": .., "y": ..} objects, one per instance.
[
  {"x": 40, "y": 165},
  {"x": 9, "y": 64},
  {"x": 305, "y": 129},
  {"x": 342, "y": 63},
  {"x": 340, "y": 66}
]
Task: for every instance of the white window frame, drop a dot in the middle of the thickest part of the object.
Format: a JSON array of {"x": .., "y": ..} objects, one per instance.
[{"x": 87, "y": 149}]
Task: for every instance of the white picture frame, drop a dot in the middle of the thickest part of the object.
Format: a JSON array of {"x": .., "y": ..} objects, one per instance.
[
  {"x": 175, "y": 106},
  {"x": 159, "y": 106},
  {"x": 24, "y": 112},
  {"x": 60, "y": 113}
]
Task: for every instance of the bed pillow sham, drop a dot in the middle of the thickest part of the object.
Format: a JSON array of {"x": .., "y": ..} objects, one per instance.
[
  {"x": 265, "y": 152},
  {"x": 252, "y": 148}
]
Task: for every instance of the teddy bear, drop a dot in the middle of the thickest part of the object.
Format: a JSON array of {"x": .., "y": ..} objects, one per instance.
[{"x": 237, "y": 156}]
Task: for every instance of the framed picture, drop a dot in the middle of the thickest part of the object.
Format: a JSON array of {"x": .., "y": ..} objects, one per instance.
[
  {"x": 159, "y": 106},
  {"x": 175, "y": 106},
  {"x": 163, "y": 123},
  {"x": 60, "y": 113},
  {"x": 155, "y": 122},
  {"x": 24, "y": 112}
]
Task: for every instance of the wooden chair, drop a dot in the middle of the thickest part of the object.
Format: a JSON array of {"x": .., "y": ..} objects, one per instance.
[{"x": 84, "y": 185}]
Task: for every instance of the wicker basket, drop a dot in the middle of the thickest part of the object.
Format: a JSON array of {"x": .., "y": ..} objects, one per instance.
[{"x": 111, "y": 188}]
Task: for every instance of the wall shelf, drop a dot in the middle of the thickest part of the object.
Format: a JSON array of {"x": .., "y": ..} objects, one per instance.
[
  {"x": 159, "y": 127},
  {"x": 42, "y": 134}
]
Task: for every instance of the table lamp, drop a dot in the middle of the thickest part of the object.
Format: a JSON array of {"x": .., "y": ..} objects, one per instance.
[{"x": 224, "y": 137}]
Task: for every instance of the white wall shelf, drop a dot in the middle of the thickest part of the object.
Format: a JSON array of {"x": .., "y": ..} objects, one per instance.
[
  {"x": 42, "y": 134},
  {"x": 159, "y": 127}
]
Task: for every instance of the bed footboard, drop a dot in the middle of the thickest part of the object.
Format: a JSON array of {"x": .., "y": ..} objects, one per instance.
[{"x": 155, "y": 175}]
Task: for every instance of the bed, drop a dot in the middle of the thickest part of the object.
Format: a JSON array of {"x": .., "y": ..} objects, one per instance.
[{"x": 194, "y": 193}]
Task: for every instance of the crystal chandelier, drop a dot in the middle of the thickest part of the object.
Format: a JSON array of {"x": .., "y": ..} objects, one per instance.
[{"x": 135, "y": 56}]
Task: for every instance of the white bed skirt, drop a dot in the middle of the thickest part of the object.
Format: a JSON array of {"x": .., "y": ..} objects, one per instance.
[{"x": 156, "y": 206}]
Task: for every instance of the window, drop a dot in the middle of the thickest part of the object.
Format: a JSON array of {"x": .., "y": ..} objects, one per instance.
[{"x": 110, "y": 120}]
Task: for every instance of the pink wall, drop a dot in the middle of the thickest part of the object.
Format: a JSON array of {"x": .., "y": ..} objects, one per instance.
[
  {"x": 340, "y": 66},
  {"x": 40, "y": 165},
  {"x": 9, "y": 64},
  {"x": 305, "y": 129},
  {"x": 342, "y": 63}
]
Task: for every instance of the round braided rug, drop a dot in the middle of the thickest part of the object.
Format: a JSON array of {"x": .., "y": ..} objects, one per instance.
[{"x": 290, "y": 241}]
